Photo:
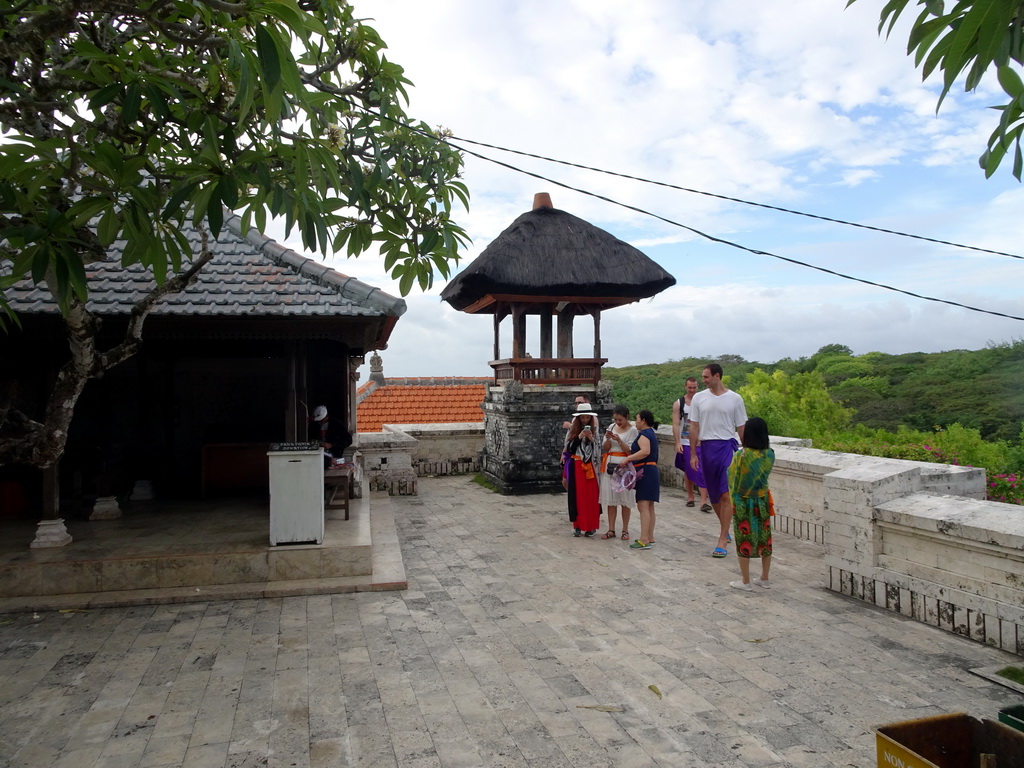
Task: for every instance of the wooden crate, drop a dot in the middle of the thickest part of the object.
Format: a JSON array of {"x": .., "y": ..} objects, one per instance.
[{"x": 948, "y": 741}]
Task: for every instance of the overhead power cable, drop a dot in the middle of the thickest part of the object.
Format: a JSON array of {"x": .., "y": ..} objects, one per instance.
[
  {"x": 735, "y": 199},
  {"x": 705, "y": 235},
  {"x": 755, "y": 251}
]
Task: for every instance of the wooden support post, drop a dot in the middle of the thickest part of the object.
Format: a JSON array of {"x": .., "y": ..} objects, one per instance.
[
  {"x": 518, "y": 331},
  {"x": 565, "y": 321},
  {"x": 545, "y": 331}
]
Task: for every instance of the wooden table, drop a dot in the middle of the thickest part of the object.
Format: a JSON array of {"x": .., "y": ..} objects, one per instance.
[{"x": 338, "y": 482}]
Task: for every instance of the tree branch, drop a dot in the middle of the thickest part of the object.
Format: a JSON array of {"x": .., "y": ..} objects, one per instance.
[{"x": 133, "y": 335}]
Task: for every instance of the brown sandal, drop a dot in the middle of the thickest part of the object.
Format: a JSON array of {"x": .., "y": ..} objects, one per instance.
[
  {"x": 625, "y": 535},
  {"x": 609, "y": 535}
]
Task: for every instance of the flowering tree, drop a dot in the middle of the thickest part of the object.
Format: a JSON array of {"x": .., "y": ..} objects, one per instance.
[{"x": 125, "y": 119}]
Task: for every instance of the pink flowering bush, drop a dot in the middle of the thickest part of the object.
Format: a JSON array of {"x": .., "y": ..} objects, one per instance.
[{"x": 1007, "y": 488}]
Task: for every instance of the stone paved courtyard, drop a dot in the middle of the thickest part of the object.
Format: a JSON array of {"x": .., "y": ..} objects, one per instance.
[{"x": 515, "y": 645}]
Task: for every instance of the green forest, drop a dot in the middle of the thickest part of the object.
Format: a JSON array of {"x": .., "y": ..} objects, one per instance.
[{"x": 959, "y": 406}]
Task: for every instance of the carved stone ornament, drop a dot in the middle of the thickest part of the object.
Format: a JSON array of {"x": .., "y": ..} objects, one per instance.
[{"x": 514, "y": 392}]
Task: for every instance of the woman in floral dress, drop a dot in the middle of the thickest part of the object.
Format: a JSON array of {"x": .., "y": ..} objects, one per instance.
[{"x": 748, "y": 489}]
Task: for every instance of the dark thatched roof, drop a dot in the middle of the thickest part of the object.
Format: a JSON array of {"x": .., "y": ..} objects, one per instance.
[{"x": 550, "y": 253}]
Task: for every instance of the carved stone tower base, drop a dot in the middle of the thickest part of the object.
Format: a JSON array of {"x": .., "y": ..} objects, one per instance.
[{"x": 524, "y": 434}]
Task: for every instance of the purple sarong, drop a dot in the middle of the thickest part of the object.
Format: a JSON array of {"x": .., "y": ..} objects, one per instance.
[
  {"x": 695, "y": 476},
  {"x": 714, "y": 457}
]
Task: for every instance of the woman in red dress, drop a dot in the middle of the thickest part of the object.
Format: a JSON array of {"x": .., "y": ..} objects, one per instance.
[{"x": 582, "y": 455}]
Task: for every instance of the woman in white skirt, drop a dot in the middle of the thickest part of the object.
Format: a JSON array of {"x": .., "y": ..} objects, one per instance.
[{"x": 617, "y": 440}]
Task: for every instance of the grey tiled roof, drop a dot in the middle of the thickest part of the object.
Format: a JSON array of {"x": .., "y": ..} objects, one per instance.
[{"x": 250, "y": 275}]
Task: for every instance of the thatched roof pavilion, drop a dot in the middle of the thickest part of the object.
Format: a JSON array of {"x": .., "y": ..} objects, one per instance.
[
  {"x": 548, "y": 253},
  {"x": 549, "y": 262}
]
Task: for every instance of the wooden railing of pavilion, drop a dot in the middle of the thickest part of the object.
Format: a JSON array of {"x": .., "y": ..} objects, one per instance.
[{"x": 539, "y": 370}]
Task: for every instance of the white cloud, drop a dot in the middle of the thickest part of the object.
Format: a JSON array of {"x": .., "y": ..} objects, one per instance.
[{"x": 792, "y": 103}]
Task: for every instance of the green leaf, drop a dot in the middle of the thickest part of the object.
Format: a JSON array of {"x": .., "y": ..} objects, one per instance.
[
  {"x": 1010, "y": 82},
  {"x": 105, "y": 95},
  {"x": 270, "y": 60},
  {"x": 992, "y": 157},
  {"x": 174, "y": 203},
  {"x": 245, "y": 89},
  {"x": 40, "y": 263},
  {"x": 76, "y": 275},
  {"x": 429, "y": 242},
  {"x": 109, "y": 227},
  {"x": 83, "y": 210},
  {"x": 108, "y": 160},
  {"x": 405, "y": 282},
  {"x": 132, "y": 101},
  {"x": 227, "y": 191},
  {"x": 340, "y": 239},
  {"x": 157, "y": 101},
  {"x": 215, "y": 213}
]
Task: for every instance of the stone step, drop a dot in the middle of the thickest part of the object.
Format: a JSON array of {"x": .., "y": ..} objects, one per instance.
[{"x": 175, "y": 562}]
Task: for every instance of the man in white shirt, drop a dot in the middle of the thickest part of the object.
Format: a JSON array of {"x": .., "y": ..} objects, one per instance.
[{"x": 717, "y": 415}]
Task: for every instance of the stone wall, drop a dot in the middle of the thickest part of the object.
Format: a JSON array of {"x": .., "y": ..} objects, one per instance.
[
  {"x": 524, "y": 435},
  {"x": 386, "y": 462},
  {"x": 912, "y": 537},
  {"x": 444, "y": 449},
  {"x": 959, "y": 566},
  {"x": 952, "y": 561},
  {"x": 392, "y": 460}
]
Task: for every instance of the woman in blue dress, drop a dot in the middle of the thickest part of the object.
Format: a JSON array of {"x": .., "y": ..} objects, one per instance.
[{"x": 644, "y": 457}]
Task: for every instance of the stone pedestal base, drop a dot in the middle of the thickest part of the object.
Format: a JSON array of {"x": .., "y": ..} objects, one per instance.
[
  {"x": 106, "y": 508},
  {"x": 51, "y": 533},
  {"x": 143, "y": 491},
  {"x": 523, "y": 434}
]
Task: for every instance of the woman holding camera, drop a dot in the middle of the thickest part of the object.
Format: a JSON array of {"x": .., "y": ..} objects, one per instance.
[
  {"x": 617, "y": 440},
  {"x": 581, "y": 460}
]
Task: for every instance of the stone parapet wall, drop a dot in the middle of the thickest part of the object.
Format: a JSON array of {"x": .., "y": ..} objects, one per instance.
[
  {"x": 950, "y": 560},
  {"x": 386, "y": 462},
  {"x": 392, "y": 460},
  {"x": 915, "y": 538},
  {"x": 954, "y": 563},
  {"x": 444, "y": 449}
]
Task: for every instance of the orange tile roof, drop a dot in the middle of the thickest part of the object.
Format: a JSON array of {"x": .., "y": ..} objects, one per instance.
[{"x": 420, "y": 401}]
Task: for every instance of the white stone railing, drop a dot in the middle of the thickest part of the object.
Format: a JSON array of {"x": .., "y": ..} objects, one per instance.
[
  {"x": 385, "y": 459},
  {"x": 394, "y": 458},
  {"x": 913, "y": 537}
]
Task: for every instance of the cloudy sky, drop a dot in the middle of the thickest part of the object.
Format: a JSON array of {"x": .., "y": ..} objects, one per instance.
[{"x": 790, "y": 103}]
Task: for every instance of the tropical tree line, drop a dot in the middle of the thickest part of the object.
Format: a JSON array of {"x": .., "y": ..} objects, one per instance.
[{"x": 957, "y": 407}]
